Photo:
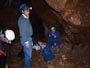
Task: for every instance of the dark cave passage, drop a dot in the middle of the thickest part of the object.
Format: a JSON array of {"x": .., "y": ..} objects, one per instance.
[{"x": 37, "y": 24}]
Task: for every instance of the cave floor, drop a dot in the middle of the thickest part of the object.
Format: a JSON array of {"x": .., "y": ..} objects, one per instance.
[{"x": 65, "y": 57}]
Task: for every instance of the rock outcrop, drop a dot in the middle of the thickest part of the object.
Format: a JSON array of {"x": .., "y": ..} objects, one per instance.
[{"x": 71, "y": 15}]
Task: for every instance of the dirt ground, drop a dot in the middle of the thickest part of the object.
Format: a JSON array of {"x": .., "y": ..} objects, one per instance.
[{"x": 65, "y": 57}]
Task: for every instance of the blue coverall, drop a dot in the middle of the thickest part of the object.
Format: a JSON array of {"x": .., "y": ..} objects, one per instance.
[{"x": 53, "y": 39}]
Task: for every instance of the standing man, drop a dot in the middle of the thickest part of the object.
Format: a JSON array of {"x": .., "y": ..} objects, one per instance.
[{"x": 26, "y": 32}]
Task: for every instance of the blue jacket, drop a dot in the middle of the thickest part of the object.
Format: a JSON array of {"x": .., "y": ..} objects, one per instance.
[
  {"x": 53, "y": 38},
  {"x": 25, "y": 27}
]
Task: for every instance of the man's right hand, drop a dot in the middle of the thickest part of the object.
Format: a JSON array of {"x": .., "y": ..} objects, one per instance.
[{"x": 27, "y": 45}]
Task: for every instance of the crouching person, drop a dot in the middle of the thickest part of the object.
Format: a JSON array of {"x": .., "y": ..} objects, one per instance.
[
  {"x": 5, "y": 36},
  {"x": 53, "y": 38}
]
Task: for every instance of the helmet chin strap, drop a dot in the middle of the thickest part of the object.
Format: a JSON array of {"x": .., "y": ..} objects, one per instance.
[{"x": 8, "y": 41}]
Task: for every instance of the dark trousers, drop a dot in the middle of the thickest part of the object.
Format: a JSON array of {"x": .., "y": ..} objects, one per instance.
[
  {"x": 51, "y": 43},
  {"x": 2, "y": 61}
]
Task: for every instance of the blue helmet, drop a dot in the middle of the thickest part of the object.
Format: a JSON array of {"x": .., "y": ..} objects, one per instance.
[{"x": 23, "y": 6}]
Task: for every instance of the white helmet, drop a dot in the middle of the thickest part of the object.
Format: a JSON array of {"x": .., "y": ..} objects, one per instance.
[
  {"x": 53, "y": 28},
  {"x": 10, "y": 35}
]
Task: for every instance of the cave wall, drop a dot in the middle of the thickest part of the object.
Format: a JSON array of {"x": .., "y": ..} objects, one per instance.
[
  {"x": 48, "y": 17},
  {"x": 72, "y": 15}
]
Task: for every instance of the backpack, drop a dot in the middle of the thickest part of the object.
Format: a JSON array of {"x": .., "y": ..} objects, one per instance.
[{"x": 47, "y": 54}]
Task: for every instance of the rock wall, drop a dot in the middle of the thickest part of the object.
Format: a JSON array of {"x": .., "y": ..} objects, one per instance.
[{"x": 72, "y": 16}]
